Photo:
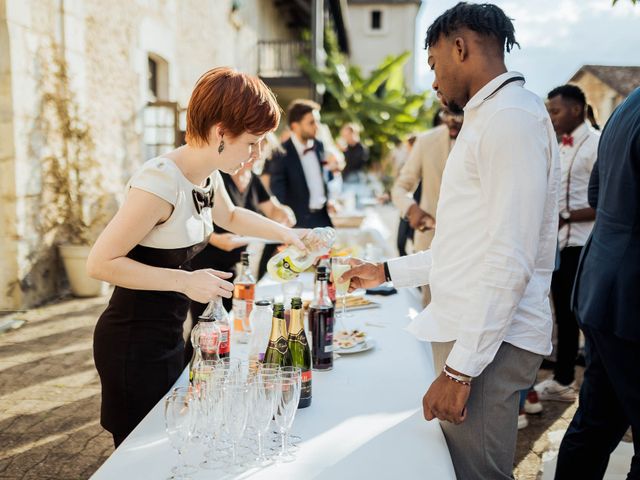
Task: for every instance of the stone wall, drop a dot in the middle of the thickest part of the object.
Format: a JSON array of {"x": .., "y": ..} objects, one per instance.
[
  {"x": 106, "y": 46},
  {"x": 600, "y": 96},
  {"x": 398, "y": 34}
]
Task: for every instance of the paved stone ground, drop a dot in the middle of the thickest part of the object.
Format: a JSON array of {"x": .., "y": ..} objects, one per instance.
[
  {"x": 50, "y": 400},
  {"x": 50, "y": 395}
]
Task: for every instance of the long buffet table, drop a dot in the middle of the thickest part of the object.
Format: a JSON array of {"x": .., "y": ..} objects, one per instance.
[{"x": 365, "y": 420}]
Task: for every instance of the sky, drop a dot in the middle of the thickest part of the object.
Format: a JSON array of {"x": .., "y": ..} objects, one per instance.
[{"x": 556, "y": 37}]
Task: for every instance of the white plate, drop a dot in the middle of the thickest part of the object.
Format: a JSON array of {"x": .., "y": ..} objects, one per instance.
[{"x": 360, "y": 347}]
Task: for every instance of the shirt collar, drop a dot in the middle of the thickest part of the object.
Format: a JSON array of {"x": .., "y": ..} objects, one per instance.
[
  {"x": 299, "y": 146},
  {"x": 580, "y": 132},
  {"x": 482, "y": 94}
]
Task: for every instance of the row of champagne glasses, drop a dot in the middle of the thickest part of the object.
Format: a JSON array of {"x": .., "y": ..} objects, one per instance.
[{"x": 230, "y": 400}]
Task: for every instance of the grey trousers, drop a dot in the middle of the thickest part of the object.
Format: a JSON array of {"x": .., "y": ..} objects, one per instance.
[{"x": 483, "y": 446}]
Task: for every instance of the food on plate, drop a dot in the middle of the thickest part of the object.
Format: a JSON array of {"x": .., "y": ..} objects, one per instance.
[{"x": 348, "y": 339}]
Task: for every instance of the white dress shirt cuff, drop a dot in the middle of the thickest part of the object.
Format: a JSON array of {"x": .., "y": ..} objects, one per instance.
[
  {"x": 411, "y": 270},
  {"x": 467, "y": 362}
]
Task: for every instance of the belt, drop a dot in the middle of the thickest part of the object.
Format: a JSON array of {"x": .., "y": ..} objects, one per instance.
[{"x": 316, "y": 210}]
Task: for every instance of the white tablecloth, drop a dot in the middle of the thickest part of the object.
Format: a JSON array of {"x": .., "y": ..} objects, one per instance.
[{"x": 365, "y": 420}]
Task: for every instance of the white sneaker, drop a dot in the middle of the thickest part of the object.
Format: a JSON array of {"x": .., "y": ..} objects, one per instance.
[
  {"x": 551, "y": 390},
  {"x": 532, "y": 404},
  {"x": 523, "y": 422}
]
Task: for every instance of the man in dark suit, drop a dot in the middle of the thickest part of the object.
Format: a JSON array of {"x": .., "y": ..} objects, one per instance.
[
  {"x": 607, "y": 305},
  {"x": 298, "y": 173}
]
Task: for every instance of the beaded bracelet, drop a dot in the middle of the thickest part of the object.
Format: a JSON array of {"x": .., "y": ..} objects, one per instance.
[
  {"x": 461, "y": 382},
  {"x": 462, "y": 379}
]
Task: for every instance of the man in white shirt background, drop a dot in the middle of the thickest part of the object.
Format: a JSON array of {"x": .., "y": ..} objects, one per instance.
[
  {"x": 578, "y": 152},
  {"x": 425, "y": 167},
  {"x": 491, "y": 260}
]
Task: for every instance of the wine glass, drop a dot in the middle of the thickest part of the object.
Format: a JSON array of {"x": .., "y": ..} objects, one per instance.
[
  {"x": 236, "y": 410},
  {"x": 340, "y": 265},
  {"x": 264, "y": 396},
  {"x": 212, "y": 420},
  {"x": 296, "y": 374},
  {"x": 180, "y": 418},
  {"x": 285, "y": 412}
]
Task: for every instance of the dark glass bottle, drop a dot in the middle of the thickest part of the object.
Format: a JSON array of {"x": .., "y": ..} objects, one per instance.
[
  {"x": 321, "y": 320},
  {"x": 278, "y": 349},
  {"x": 325, "y": 262},
  {"x": 300, "y": 351}
]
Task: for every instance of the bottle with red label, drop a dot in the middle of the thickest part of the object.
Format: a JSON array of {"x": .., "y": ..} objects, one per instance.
[
  {"x": 221, "y": 317},
  {"x": 205, "y": 338},
  {"x": 300, "y": 351},
  {"x": 243, "y": 296}
]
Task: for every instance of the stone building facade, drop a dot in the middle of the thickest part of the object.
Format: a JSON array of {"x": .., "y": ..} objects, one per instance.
[
  {"x": 606, "y": 86},
  {"x": 121, "y": 55},
  {"x": 380, "y": 28}
]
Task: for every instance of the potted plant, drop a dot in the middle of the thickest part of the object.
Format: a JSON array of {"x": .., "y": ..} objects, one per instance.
[{"x": 71, "y": 192}]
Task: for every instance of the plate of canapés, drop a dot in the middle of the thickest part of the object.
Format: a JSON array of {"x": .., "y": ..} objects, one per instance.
[{"x": 352, "y": 341}]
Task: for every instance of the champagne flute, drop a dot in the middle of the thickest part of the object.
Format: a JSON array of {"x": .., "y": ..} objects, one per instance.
[
  {"x": 285, "y": 412},
  {"x": 340, "y": 265},
  {"x": 264, "y": 397},
  {"x": 236, "y": 411},
  {"x": 180, "y": 418},
  {"x": 212, "y": 421}
]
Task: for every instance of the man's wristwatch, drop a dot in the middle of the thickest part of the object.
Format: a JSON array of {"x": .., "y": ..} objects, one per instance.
[
  {"x": 387, "y": 275},
  {"x": 566, "y": 215}
]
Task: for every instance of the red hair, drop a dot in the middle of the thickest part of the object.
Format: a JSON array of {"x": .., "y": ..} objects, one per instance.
[{"x": 238, "y": 102}]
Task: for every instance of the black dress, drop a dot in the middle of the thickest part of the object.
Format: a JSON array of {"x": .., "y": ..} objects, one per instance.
[
  {"x": 213, "y": 257},
  {"x": 138, "y": 344}
]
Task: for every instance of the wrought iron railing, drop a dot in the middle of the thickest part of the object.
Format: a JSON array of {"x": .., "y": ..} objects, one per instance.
[{"x": 279, "y": 58}]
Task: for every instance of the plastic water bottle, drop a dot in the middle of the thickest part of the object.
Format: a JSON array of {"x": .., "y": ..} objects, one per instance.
[
  {"x": 289, "y": 263},
  {"x": 260, "y": 320}
]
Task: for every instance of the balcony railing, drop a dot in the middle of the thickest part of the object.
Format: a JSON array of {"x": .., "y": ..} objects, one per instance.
[{"x": 279, "y": 58}]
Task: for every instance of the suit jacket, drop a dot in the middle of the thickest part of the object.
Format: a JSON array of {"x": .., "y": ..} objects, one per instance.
[
  {"x": 288, "y": 182},
  {"x": 426, "y": 163},
  {"x": 607, "y": 289}
]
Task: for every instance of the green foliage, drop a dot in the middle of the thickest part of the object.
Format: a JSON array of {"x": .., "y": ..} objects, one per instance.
[
  {"x": 380, "y": 102},
  {"x": 70, "y": 183},
  {"x": 616, "y": 1}
]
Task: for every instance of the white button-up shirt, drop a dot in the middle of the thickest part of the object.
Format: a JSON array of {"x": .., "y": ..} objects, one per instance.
[
  {"x": 312, "y": 173},
  {"x": 576, "y": 164},
  {"x": 493, "y": 254}
]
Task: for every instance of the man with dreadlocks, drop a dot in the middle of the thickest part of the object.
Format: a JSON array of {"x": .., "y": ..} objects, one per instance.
[{"x": 491, "y": 260}]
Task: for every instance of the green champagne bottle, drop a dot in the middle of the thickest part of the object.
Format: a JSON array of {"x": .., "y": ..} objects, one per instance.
[
  {"x": 300, "y": 351},
  {"x": 278, "y": 349}
]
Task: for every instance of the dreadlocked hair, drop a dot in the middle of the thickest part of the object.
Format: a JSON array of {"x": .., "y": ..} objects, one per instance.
[{"x": 483, "y": 18}]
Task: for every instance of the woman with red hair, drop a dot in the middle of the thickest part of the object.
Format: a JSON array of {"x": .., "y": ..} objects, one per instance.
[{"x": 165, "y": 220}]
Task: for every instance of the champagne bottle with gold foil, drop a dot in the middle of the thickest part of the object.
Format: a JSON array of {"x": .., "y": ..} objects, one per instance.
[
  {"x": 300, "y": 350},
  {"x": 278, "y": 349}
]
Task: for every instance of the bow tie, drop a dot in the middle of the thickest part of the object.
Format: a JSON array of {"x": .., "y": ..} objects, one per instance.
[
  {"x": 307, "y": 150},
  {"x": 567, "y": 140},
  {"x": 202, "y": 200}
]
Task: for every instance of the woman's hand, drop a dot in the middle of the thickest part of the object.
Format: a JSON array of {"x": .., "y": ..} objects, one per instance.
[
  {"x": 293, "y": 236},
  {"x": 204, "y": 285},
  {"x": 227, "y": 241}
]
